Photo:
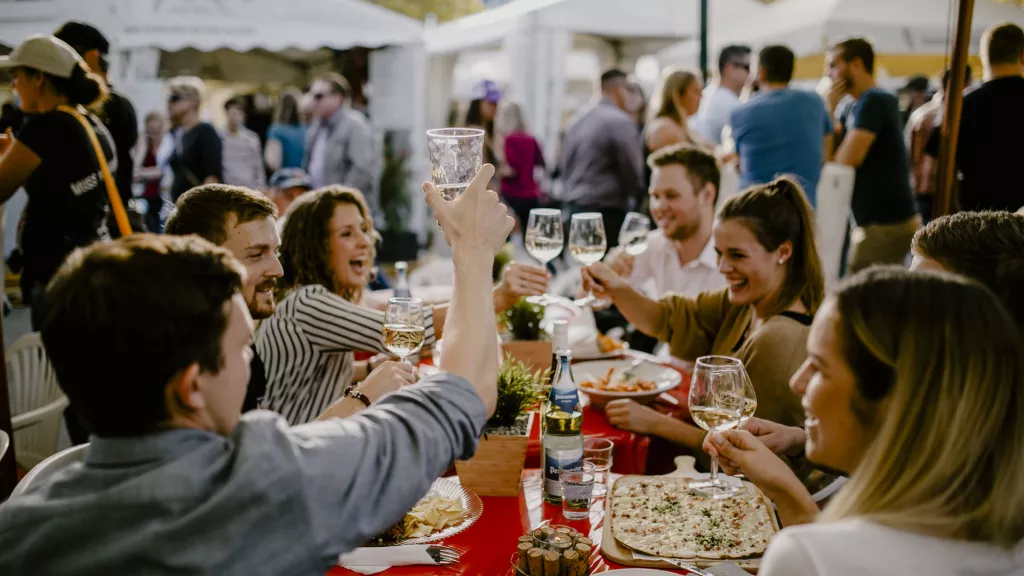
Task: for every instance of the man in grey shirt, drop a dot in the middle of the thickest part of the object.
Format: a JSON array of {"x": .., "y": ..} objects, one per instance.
[
  {"x": 602, "y": 162},
  {"x": 150, "y": 336}
]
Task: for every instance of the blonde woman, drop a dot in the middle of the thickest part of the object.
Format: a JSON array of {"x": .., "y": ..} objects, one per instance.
[
  {"x": 676, "y": 99},
  {"x": 923, "y": 410}
]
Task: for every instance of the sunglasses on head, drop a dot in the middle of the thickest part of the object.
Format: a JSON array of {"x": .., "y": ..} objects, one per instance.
[{"x": 318, "y": 96}]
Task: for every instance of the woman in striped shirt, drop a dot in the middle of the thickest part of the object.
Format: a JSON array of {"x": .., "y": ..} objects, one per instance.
[{"x": 327, "y": 252}]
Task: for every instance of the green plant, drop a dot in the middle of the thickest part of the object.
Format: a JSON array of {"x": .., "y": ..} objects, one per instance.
[
  {"x": 395, "y": 200},
  {"x": 519, "y": 391},
  {"x": 523, "y": 320}
]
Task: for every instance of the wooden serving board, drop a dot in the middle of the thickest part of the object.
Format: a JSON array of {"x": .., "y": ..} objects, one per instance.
[{"x": 616, "y": 552}]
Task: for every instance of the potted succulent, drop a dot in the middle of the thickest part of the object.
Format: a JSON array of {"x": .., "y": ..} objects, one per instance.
[
  {"x": 524, "y": 338},
  {"x": 497, "y": 467}
]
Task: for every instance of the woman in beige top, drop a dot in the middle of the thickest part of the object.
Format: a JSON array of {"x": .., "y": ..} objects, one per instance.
[
  {"x": 676, "y": 99},
  {"x": 765, "y": 243}
]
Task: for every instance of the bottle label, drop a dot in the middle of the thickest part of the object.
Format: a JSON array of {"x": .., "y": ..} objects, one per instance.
[
  {"x": 555, "y": 460},
  {"x": 567, "y": 401}
]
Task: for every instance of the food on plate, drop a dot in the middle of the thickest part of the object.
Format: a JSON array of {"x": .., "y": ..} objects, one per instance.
[
  {"x": 660, "y": 517},
  {"x": 607, "y": 344},
  {"x": 616, "y": 383},
  {"x": 431, "y": 514}
]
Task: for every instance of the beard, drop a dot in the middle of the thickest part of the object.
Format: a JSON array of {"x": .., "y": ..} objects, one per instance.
[
  {"x": 260, "y": 307},
  {"x": 684, "y": 230}
]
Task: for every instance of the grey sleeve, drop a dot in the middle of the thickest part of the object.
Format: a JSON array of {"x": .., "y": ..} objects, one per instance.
[
  {"x": 362, "y": 158},
  {"x": 361, "y": 474}
]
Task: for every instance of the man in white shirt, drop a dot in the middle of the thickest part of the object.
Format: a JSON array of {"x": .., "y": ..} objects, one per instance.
[
  {"x": 722, "y": 96},
  {"x": 241, "y": 152},
  {"x": 680, "y": 255}
]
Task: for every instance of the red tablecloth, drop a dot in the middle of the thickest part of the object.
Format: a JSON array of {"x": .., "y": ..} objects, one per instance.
[{"x": 489, "y": 544}]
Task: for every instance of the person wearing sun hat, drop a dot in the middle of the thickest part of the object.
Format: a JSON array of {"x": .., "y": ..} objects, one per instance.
[
  {"x": 286, "y": 185},
  {"x": 52, "y": 156}
]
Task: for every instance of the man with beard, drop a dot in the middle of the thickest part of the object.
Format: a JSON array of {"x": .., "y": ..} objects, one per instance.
[{"x": 680, "y": 256}]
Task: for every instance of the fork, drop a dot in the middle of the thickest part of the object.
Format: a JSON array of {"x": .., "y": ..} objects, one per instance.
[
  {"x": 673, "y": 561},
  {"x": 628, "y": 372},
  {"x": 443, "y": 554}
]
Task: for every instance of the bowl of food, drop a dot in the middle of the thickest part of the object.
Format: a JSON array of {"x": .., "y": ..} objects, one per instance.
[{"x": 606, "y": 380}]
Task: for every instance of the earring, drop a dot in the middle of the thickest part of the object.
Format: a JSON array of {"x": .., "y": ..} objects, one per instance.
[{"x": 782, "y": 260}]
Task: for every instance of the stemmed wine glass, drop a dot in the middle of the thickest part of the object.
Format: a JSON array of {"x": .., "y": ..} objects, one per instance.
[
  {"x": 587, "y": 244},
  {"x": 717, "y": 400},
  {"x": 544, "y": 240},
  {"x": 403, "y": 327},
  {"x": 633, "y": 235},
  {"x": 749, "y": 398}
]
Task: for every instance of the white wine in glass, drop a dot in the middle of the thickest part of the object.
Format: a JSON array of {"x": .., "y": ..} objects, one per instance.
[
  {"x": 633, "y": 235},
  {"x": 544, "y": 241},
  {"x": 587, "y": 244},
  {"x": 717, "y": 400},
  {"x": 403, "y": 327}
]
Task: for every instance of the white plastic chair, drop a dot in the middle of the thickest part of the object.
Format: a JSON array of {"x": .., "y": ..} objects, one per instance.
[
  {"x": 49, "y": 468},
  {"x": 37, "y": 402},
  {"x": 834, "y": 195}
]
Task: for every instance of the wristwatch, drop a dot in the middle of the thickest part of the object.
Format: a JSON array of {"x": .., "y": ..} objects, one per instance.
[{"x": 353, "y": 393}]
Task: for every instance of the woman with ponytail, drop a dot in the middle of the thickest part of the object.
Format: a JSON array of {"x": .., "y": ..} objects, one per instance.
[
  {"x": 765, "y": 243},
  {"x": 53, "y": 157}
]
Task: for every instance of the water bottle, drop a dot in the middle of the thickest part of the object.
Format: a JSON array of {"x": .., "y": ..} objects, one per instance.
[
  {"x": 402, "y": 281},
  {"x": 562, "y": 441}
]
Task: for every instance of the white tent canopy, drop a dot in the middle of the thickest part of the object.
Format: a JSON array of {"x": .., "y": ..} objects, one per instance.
[
  {"x": 536, "y": 37},
  {"x": 810, "y": 26}
]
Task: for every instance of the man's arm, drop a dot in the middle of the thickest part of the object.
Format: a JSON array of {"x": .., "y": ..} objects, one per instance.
[
  {"x": 630, "y": 159},
  {"x": 869, "y": 119},
  {"x": 16, "y": 165},
  {"x": 211, "y": 155}
]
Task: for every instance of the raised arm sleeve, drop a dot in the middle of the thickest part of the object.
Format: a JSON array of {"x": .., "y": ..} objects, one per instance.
[
  {"x": 690, "y": 325},
  {"x": 333, "y": 324},
  {"x": 361, "y": 474}
]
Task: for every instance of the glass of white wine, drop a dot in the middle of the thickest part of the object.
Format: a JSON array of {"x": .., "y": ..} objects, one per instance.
[
  {"x": 587, "y": 244},
  {"x": 717, "y": 399},
  {"x": 403, "y": 327},
  {"x": 544, "y": 241},
  {"x": 633, "y": 235}
]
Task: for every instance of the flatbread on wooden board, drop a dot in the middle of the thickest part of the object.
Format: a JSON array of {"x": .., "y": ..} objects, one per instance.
[{"x": 659, "y": 516}]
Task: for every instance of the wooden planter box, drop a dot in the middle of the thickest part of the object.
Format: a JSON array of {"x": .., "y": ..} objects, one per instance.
[
  {"x": 536, "y": 354},
  {"x": 497, "y": 467}
]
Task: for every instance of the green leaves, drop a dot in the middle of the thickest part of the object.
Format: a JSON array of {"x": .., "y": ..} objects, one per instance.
[
  {"x": 519, "y": 391},
  {"x": 523, "y": 320}
]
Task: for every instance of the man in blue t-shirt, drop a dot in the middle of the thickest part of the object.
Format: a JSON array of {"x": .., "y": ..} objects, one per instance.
[
  {"x": 781, "y": 131},
  {"x": 871, "y": 136}
]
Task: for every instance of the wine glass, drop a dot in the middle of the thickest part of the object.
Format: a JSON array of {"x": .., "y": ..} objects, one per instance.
[
  {"x": 456, "y": 155},
  {"x": 749, "y": 398},
  {"x": 403, "y": 327},
  {"x": 717, "y": 399},
  {"x": 633, "y": 235},
  {"x": 544, "y": 240},
  {"x": 587, "y": 244}
]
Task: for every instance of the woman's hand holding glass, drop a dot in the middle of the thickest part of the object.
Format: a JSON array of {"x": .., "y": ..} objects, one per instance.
[{"x": 602, "y": 281}]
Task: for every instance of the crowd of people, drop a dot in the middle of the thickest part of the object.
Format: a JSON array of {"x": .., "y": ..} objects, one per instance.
[{"x": 909, "y": 383}]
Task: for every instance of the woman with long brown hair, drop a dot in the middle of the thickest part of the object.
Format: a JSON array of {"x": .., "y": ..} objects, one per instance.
[
  {"x": 328, "y": 247},
  {"x": 766, "y": 248},
  {"x": 286, "y": 136},
  {"x": 676, "y": 99}
]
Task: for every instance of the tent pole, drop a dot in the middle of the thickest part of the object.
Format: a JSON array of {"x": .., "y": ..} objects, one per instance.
[
  {"x": 954, "y": 104},
  {"x": 8, "y": 470},
  {"x": 704, "y": 39}
]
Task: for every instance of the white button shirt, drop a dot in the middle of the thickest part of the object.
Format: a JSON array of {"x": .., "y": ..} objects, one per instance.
[{"x": 657, "y": 270}]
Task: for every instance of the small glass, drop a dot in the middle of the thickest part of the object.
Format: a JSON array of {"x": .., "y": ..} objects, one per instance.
[
  {"x": 717, "y": 398},
  {"x": 587, "y": 244},
  {"x": 544, "y": 241},
  {"x": 577, "y": 491},
  {"x": 598, "y": 451},
  {"x": 633, "y": 234},
  {"x": 456, "y": 155},
  {"x": 403, "y": 327}
]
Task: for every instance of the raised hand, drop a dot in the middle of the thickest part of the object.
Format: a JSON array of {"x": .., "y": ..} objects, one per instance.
[
  {"x": 600, "y": 278},
  {"x": 520, "y": 280},
  {"x": 476, "y": 219}
]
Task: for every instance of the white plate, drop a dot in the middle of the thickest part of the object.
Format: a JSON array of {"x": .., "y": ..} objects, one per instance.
[
  {"x": 450, "y": 488},
  {"x": 666, "y": 378}
]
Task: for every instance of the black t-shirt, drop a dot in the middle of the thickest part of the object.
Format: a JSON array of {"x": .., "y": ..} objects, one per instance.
[
  {"x": 67, "y": 197},
  {"x": 119, "y": 118},
  {"x": 196, "y": 157},
  {"x": 990, "y": 148},
  {"x": 881, "y": 190},
  {"x": 257, "y": 383}
]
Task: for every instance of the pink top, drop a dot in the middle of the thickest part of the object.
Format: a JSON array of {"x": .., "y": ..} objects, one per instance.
[{"x": 522, "y": 154}]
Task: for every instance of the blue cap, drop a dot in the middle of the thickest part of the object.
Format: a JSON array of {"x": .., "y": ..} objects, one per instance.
[
  {"x": 487, "y": 90},
  {"x": 291, "y": 178}
]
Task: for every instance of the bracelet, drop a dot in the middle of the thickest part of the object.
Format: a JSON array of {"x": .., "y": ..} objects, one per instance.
[{"x": 353, "y": 393}]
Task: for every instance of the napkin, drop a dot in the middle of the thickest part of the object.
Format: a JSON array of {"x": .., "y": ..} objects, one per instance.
[{"x": 374, "y": 560}]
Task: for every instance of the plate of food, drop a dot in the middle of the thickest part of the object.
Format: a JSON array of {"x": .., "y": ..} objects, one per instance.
[
  {"x": 590, "y": 347},
  {"x": 659, "y": 516},
  {"x": 446, "y": 510},
  {"x": 606, "y": 380}
]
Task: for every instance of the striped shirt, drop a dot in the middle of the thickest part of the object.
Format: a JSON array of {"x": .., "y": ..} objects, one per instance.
[{"x": 307, "y": 348}]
